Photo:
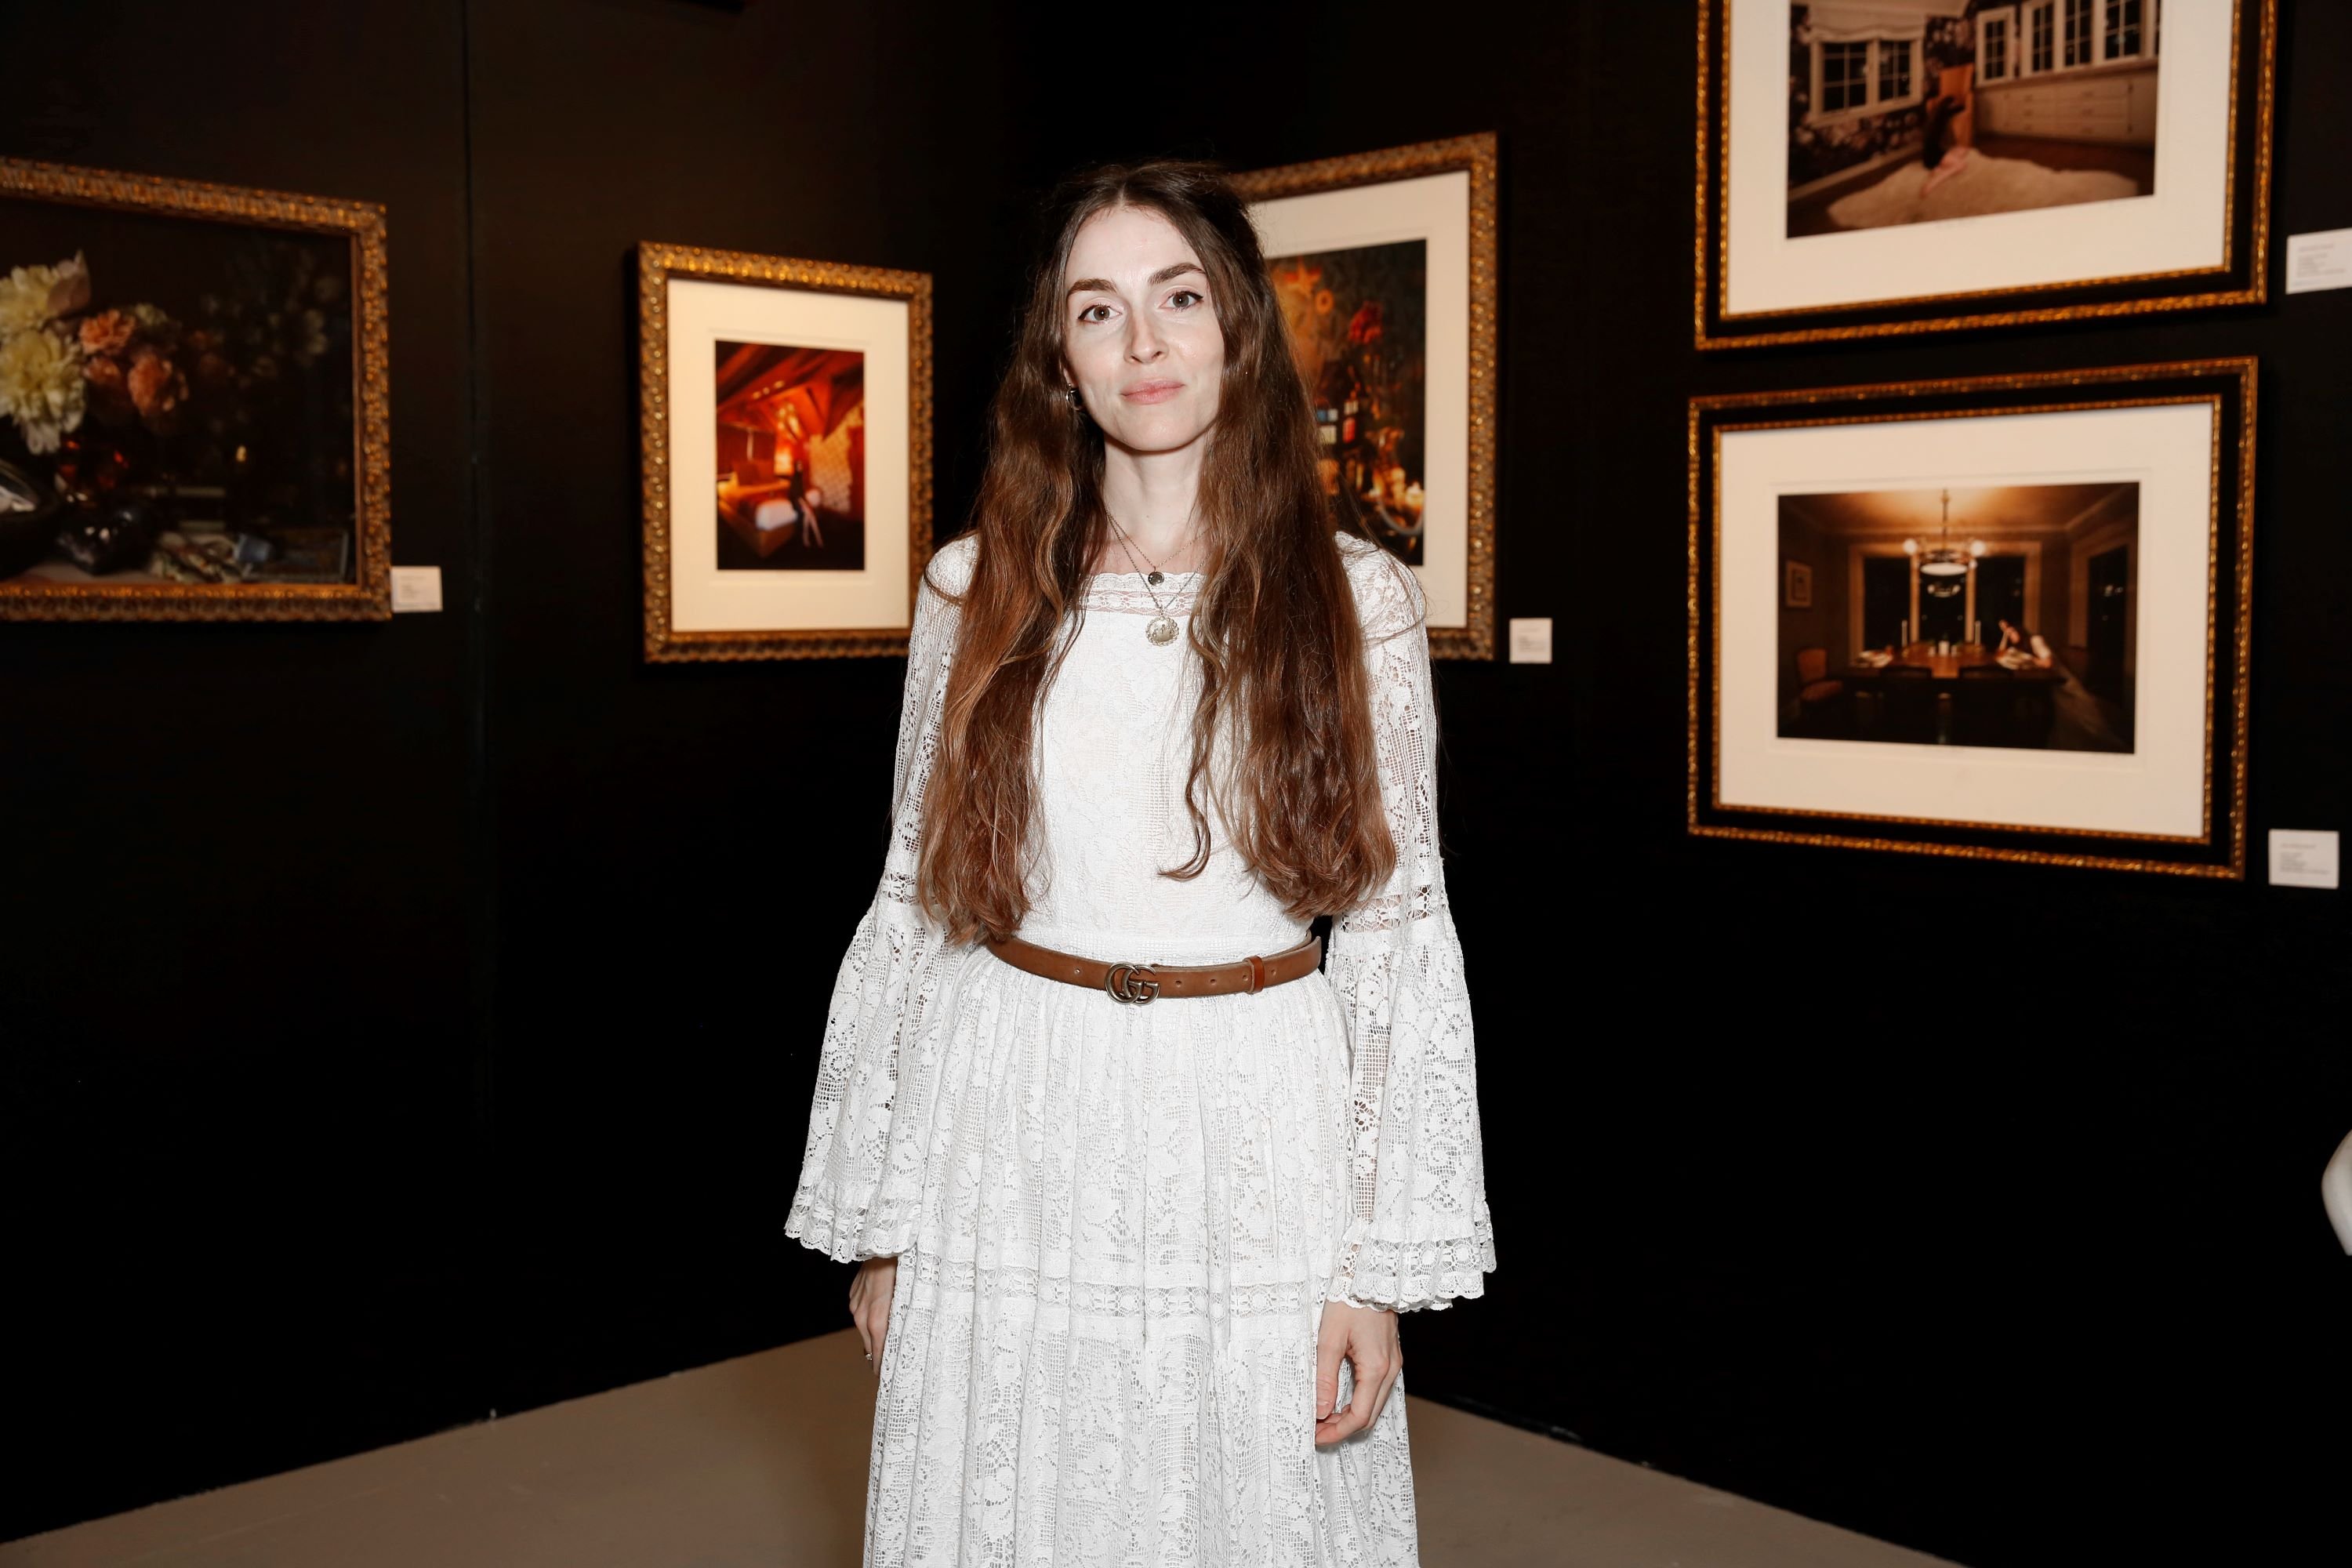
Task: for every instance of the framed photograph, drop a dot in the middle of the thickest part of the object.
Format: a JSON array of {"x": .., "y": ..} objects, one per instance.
[
  {"x": 1869, "y": 167},
  {"x": 786, "y": 423},
  {"x": 1385, "y": 266},
  {"x": 194, "y": 401},
  {"x": 1797, "y": 586},
  {"x": 2027, "y": 638}
]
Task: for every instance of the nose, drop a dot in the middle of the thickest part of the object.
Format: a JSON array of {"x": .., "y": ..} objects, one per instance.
[{"x": 1143, "y": 341}]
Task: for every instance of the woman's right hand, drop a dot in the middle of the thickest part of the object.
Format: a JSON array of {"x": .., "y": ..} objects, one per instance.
[{"x": 869, "y": 1305}]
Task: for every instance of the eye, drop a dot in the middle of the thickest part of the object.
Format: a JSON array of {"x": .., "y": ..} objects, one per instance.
[
  {"x": 1185, "y": 298},
  {"x": 1088, "y": 314}
]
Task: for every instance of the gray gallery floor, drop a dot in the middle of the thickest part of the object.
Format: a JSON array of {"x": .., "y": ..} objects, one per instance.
[{"x": 762, "y": 1461}]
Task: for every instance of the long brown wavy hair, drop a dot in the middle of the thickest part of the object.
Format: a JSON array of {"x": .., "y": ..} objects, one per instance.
[{"x": 1275, "y": 625}]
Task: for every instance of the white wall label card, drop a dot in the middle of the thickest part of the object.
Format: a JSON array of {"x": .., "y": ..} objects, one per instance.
[
  {"x": 415, "y": 588},
  {"x": 2322, "y": 259},
  {"x": 2301, "y": 860},
  {"x": 1531, "y": 640}
]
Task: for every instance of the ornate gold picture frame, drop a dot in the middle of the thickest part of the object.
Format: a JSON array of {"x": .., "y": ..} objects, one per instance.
[
  {"x": 2087, "y": 705},
  {"x": 1386, "y": 265},
  {"x": 195, "y": 401},
  {"x": 786, "y": 416},
  {"x": 1868, "y": 168}
]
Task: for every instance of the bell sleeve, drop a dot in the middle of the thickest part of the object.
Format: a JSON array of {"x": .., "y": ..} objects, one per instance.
[
  {"x": 847, "y": 1204},
  {"x": 1418, "y": 1233}
]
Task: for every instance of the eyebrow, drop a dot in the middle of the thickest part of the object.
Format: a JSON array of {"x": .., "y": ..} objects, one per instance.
[{"x": 1105, "y": 285}]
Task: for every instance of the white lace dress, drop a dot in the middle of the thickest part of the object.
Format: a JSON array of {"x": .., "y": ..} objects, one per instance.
[{"x": 1117, "y": 1224}]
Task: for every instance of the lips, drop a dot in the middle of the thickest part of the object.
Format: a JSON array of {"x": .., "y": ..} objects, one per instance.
[{"x": 1152, "y": 391}]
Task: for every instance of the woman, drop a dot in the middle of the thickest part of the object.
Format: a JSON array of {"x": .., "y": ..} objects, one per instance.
[
  {"x": 1133, "y": 1232},
  {"x": 794, "y": 437},
  {"x": 1940, "y": 153},
  {"x": 2018, "y": 643}
]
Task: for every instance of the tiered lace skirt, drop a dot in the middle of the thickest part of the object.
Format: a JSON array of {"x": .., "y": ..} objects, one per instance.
[{"x": 1101, "y": 1351}]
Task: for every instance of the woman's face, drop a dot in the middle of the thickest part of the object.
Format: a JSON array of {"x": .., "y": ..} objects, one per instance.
[{"x": 1140, "y": 333}]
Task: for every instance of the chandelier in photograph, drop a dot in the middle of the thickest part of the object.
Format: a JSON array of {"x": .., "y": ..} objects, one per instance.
[{"x": 1943, "y": 565}]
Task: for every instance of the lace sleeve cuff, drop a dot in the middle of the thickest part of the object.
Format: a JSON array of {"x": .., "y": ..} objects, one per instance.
[
  {"x": 1376, "y": 1271},
  {"x": 845, "y": 1206}
]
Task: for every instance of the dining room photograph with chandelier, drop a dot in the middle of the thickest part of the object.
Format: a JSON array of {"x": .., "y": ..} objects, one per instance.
[
  {"x": 1980, "y": 616},
  {"x": 1999, "y": 617}
]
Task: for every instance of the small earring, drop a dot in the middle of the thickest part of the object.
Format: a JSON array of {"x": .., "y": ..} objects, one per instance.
[{"x": 1072, "y": 389}]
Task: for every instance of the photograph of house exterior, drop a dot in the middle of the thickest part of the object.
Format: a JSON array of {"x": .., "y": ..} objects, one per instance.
[{"x": 1933, "y": 111}]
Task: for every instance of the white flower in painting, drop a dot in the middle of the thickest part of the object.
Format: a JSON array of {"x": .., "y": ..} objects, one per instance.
[
  {"x": 25, "y": 298},
  {"x": 34, "y": 296},
  {"x": 41, "y": 386}
]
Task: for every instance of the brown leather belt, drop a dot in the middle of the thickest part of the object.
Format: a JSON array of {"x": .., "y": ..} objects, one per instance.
[{"x": 1140, "y": 982}]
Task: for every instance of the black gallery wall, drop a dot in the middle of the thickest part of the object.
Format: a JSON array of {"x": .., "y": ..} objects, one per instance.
[{"x": 415, "y": 1021}]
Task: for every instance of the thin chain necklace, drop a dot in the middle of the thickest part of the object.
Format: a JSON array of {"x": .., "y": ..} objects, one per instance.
[{"x": 1162, "y": 630}]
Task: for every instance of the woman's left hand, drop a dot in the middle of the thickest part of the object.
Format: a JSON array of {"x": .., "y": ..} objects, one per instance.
[{"x": 1366, "y": 1338}]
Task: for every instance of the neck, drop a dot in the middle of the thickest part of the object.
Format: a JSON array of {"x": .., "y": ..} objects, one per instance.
[{"x": 1152, "y": 496}]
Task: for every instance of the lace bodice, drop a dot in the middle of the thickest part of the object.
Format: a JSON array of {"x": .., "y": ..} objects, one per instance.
[{"x": 1114, "y": 747}]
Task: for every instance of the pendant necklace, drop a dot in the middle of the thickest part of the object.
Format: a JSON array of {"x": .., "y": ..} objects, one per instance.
[{"x": 1162, "y": 628}]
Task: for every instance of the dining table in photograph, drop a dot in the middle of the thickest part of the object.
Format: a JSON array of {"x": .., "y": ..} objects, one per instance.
[
  {"x": 1927, "y": 693},
  {"x": 1950, "y": 666}
]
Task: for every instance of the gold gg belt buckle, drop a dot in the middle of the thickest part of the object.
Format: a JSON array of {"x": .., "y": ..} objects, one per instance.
[{"x": 1131, "y": 983}]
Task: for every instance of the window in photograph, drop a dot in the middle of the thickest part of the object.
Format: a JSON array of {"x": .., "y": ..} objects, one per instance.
[
  {"x": 1894, "y": 69},
  {"x": 2078, "y": 32},
  {"x": 1995, "y": 50},
  {"x": 2123, "y": 35},
  {"x": 1863, "y": 76},
  {"x": 2043, "y": 21},
  {"x": 1844, "y": 82}
]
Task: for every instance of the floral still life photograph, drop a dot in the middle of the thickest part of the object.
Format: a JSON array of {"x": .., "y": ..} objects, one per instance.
[{"x": 177, "y": 408}]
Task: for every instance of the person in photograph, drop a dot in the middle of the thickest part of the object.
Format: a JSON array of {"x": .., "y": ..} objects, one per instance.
[
  {"x": 1122, "y": 1168},
  {"x": 793, "y": 467},
  {"x": 1940, "y": 153},
  {"x": 2019, "y": 643},
  {"x": 789, "y": 466}
]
